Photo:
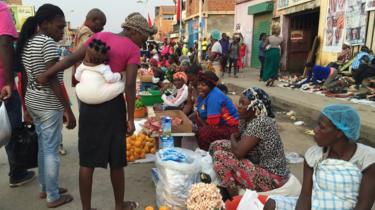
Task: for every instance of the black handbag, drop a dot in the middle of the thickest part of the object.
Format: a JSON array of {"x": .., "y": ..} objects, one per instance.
[{"x": 24, "y": 147}]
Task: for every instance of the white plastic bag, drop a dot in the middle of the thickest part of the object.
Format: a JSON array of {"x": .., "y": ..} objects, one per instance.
[
  {"x": 5, "y": 126},
  {"x": 176, "y": 179},
  {"x": 207, "y": 165},
  {"x": 250, "y": 201}
]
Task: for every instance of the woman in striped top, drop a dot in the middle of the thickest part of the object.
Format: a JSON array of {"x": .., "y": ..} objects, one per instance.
[{"x": 36, "y": 52}]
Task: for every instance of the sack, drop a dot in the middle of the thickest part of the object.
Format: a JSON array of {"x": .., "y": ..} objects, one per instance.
[
  {"x": 250, "y": 201},
  {"x": 5, "y": 126},
  {"x": 176, "y": 179},
  {"x": 207, "y": 165},
  {"x": 24, "y": 147}
]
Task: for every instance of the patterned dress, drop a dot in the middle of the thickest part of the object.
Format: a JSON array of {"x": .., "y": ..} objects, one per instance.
[{"x": 264, "y": 169}]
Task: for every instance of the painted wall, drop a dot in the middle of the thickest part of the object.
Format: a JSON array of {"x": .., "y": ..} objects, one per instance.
[
  {"x": 243, "y": 23},
  {"x": 224, "y": 23}
]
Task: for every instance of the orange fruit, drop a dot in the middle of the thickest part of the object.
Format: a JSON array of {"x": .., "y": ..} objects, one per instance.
[
  {"x": 153, "y": 150},
  {"x": 149, "y": 208}
]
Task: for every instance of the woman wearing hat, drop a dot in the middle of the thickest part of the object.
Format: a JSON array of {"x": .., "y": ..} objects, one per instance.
[
  {"x": 215, "y": 52},
  {"x": 102, "y": 127},
  {"x": 339, "y": 172},
  {"x": 216, "y": 115},
  {"x": 254, "y": 157}
]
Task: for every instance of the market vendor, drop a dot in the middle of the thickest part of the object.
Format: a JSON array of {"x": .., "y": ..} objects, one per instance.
[
  {"x": 192, "y": 74},
  {"x": 216, "y": 116},
  {"x": 321, "y": 73},
  {"x": 178, "y": 100},
  {"x": 252, "y": 158},
  {"x": 339, "y": 172}
]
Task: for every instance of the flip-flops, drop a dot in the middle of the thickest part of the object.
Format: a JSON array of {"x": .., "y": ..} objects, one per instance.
[
  {"x": 64, "y": 199},
  {"x": 130, "y": 205},
  {"x": 43, "y": 195}
]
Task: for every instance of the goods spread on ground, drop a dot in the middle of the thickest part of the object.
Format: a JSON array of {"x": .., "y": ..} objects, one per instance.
[
  {"x": 153, "y": 125},
  {"x": 204, "y": 197},
  {"x": 137, "y": 146}
]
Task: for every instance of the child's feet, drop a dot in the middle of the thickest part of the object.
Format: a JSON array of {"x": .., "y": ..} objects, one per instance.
[{"x": 62, "y": 150}]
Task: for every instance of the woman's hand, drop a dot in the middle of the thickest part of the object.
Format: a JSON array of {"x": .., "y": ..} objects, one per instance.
[
  {"x": 130, "y": 128},
  {"x": 42, "y": 79},
  {"x": 27, "y": 118},
  {"x": 235, "y": 137}
]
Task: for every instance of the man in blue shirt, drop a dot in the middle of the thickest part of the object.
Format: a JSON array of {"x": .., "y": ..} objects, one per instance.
[{"x": 224, "y": 42}]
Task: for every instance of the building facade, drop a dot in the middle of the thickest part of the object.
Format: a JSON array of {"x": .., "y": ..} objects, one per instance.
[
  {"x": 17, "y": 2},
  {"x": 164, "y": 21}
]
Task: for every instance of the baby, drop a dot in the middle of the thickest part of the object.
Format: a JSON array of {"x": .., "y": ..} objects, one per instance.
[{"x": 97, "y": 83}]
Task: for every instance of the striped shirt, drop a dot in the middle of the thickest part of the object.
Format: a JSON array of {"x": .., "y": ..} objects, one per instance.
[{"x": 38, "y": 51}]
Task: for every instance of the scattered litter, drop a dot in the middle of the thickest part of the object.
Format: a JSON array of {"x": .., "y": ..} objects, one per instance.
[
  {"x": 299, "y": 123},
  {"x": 310, "y": 132},
  {"x": 293, "y": 118},
  {"x": 291, "y": 113},
  {"x": 293, "y": 157}
]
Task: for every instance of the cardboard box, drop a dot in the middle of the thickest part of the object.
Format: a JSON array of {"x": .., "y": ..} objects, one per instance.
[{"x": 185, "y": 128}]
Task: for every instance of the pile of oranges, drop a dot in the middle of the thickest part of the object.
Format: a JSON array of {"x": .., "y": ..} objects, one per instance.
[{"x": 137, "y": 146}]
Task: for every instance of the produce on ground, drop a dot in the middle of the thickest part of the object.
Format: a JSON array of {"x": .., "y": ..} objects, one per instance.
[
  {"x": 137, "y": 146},
  {"x": 204, "y": 197}
]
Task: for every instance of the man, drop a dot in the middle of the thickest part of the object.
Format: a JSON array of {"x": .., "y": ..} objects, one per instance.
[
  {"x": 224, "y": 42},
  {"x": 8, "y": 93},
  {"x": 204, "y": 49},
  {"x": 94, "y": 23}
]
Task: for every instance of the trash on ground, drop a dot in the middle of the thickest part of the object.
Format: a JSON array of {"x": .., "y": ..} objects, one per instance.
[
  {"x": 293, "y": 157},
  {"x": 299, "y": 123}
]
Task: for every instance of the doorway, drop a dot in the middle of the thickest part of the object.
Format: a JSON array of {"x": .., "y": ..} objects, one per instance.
[
  {"x": 302, "y": 30},
  {"x": 262, "y": 24}
]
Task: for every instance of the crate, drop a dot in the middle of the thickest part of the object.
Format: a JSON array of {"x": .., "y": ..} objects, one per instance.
[{"x": 154, "y": 98}]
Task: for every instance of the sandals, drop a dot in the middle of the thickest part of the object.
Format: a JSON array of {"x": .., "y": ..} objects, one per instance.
[
  {"x": 43, "y": 195},
  {"x": 130, "y": 205},
  {"x": 64, "y": 199}
]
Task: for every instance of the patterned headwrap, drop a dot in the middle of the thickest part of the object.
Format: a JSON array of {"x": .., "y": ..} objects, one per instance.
[
  {"x": 180, "y": 75},
  {"x": 260, "y": 102},
  {"x": 138, "y": 23}
]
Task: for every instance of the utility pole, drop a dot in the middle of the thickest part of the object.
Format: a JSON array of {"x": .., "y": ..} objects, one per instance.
[
  {"x": 200, "y": 37},
  {"x": 180, "y": 31}
]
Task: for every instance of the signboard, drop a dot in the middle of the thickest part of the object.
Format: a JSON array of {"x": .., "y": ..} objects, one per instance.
[
  {"x": 282, "y": 4},
  {"x": 370, "y": 5},
  {"x": 296, "y": 35},
  {"x": 334, "y": 29},
  {"x": 20, "y": 13},
  {"x": 355, "y": 22}
]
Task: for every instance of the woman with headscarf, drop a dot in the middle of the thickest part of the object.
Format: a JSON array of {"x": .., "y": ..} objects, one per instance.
[
  {"x": 102, "y": 127},
  {"x": 215, "y": 52},
  {"x": 216, "y": 115},
  {"x": 273, "y": 54},
  {"x": 254, "y": 157},
  {"x": 339, "y": 172},
  {"x": 177, "y": 100}
]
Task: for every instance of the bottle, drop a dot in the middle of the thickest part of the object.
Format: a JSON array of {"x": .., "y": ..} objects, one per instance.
[
  {"x": 166, "y": 142},
  {"x": 166, "y": 123}
]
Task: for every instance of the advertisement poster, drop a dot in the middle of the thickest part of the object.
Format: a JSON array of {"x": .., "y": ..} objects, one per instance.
[
  {"x": 355, "y": 22},
  {"x": 370, "y": 5},
  {"x": 20, "y": 14},
  {"x": 334, "y": 30}
]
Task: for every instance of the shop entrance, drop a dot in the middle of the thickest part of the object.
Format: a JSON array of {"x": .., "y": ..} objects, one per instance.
[
  {"x": 302, "y": 30},
  {"x": 262, "y": 24}
]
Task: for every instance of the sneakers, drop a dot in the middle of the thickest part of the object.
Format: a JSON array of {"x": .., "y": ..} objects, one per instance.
[{"x": 30, "y": 176}]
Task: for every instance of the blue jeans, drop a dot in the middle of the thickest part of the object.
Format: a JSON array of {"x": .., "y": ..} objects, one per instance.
[
  {"x": 48, "y": 126},
  {"x": 13, "y": 105}
]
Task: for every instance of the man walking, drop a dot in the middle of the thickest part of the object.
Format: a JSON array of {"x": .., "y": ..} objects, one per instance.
[{"x": 224, "y": 42}]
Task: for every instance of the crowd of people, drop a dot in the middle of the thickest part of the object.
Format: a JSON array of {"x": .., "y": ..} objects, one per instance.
[{"x": 243, "y": 139}]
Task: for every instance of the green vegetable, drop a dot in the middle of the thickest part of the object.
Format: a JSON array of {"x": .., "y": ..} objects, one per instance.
[{"x": 139, "y": 104}]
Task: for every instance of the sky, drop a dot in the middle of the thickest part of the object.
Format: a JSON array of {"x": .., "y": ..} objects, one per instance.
[{"x": 115, "y": 10}]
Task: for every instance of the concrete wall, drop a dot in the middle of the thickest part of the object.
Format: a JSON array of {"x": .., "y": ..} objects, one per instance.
[
  {"x": 246, "y": 23},
  {"x": 224, "y": 23}
]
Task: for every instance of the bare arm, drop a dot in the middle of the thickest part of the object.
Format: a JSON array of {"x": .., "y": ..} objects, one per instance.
[
  {"x": 62, "y": 65},
  {"x": 130, "y": 91},
  {"x": 304, "y": 200},
  {"x": 242, "y": 147},
  {"x": 367, "y": 189}
]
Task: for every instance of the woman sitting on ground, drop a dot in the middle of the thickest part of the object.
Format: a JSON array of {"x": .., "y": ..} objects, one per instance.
[
  {"x": 176, "y": 101},
  {"x": 339, "y": 172},
  {"x": 254, "y": 157},
  {"x": 216, "y": 116}
]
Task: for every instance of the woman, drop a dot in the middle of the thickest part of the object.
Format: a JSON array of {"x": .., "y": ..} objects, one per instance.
[
  {"x": 192, "y": 74},
  {"x": 36, "y": 53},
  {"x": 216, "y": 115},
  {"x": 262, "y": 49},
  {"x": 339, "y": 172},
  {"x": 215, "y": 52},
  {"x": 177, "y": 101},
  {"x": 102, "y": 127},
  {"x": 256, "y": 151},
  {"x": 274, "y": 43}
]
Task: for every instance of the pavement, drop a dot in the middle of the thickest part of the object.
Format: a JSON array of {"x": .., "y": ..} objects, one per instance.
[
  {"x": 306, "y": 105},
  {"x": 138, "y": 183}
]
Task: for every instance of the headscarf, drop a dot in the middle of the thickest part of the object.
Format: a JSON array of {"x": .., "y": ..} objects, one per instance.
[
  {"x": 180, "y": 75},
  {"x": 260, "y": 102},
  {"x": 210, "y": 81},
  {"x": 215, "y": 34},
  {"x": 138, "y": 23},
  {"x": 345, "y": 118}
]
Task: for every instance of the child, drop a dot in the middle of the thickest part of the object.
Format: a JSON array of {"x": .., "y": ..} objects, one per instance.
[
  {"x": 177, "y": 100},
  {"x": 97, "y": 82}
]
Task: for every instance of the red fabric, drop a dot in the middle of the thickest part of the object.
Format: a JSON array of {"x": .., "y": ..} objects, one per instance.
[
  {"x": 178, "y": 10},
  {"x": 233, "y": 204},
  {"x": 208, "y": 134},
  {"x": 213, "y": 119},
  {"x": 149, "y": 21}
]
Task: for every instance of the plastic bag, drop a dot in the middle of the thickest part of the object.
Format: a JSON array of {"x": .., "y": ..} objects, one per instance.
[
  {"x": 176, "y": 179},
  {"x": 5, "y": 126},
  {"x": 207, "y": 165},
  {"x": 250, "y": 201},
  {"x": 24, "y": 147}
]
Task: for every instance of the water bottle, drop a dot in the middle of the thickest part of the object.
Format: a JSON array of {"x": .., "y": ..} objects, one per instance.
[
  {"x": 166, "y": 142},
  {"x": 166, "y": 124}
]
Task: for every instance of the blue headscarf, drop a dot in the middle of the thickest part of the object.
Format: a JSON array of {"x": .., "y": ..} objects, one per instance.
[
  {"x": 260, "y": 102},
  {"x": 345, "y": 118}
]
